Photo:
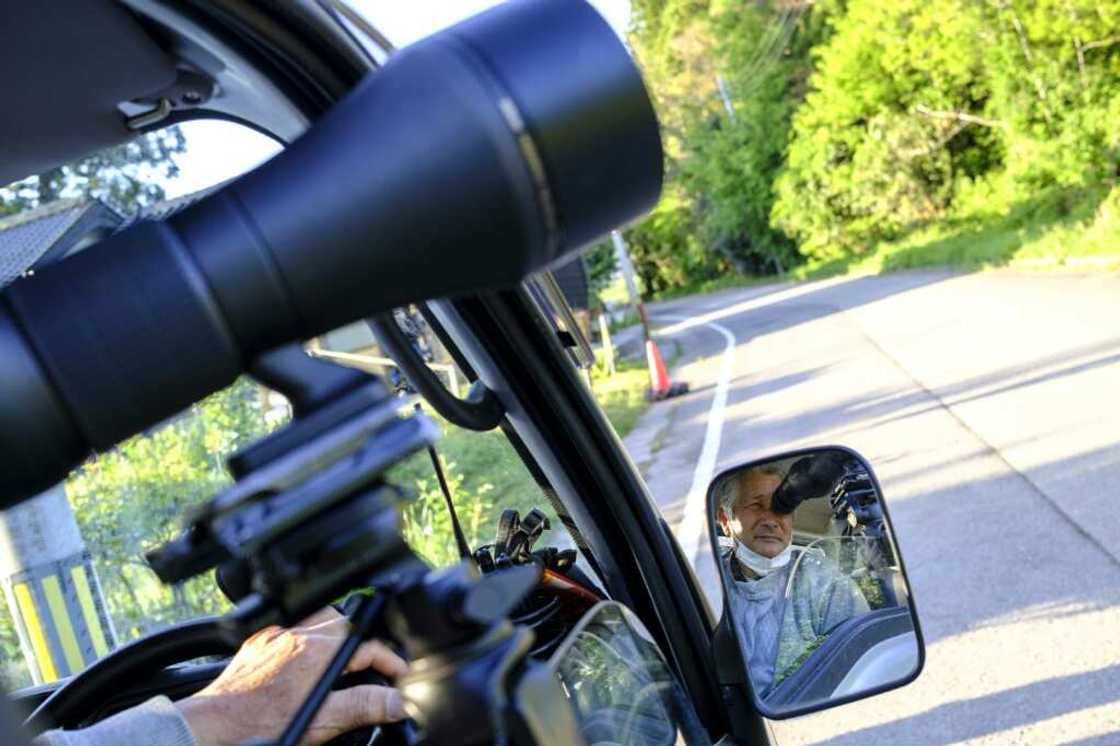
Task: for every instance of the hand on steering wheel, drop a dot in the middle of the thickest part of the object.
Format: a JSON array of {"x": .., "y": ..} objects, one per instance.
[{"x": 273, "y": 672}]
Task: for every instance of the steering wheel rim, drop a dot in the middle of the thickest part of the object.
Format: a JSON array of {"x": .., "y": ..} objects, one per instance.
[{"x": 77, "y": 699}]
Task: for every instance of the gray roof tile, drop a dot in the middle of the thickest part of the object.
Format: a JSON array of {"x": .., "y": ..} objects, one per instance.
[{"x": 26, "y": 236}]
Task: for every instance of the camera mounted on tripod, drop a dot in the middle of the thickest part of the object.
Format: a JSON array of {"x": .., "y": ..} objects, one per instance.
[
  {"x": 310, "y": 518},
  {"x": 541, "y": 151}
]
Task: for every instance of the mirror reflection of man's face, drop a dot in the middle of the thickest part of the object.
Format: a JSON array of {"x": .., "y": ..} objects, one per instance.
[{"x": 752, "y": 521}]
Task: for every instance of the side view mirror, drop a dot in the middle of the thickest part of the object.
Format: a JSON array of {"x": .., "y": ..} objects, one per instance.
[{"x": 817, "y": 610}]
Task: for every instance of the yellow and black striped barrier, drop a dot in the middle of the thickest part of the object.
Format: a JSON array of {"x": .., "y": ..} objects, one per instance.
[
  {"x": 51, "y": 588},
  {"x": 60, "y": 618}
]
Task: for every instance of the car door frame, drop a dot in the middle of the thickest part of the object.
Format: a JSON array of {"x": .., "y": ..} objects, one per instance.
[{"x": 516, "y": 353}]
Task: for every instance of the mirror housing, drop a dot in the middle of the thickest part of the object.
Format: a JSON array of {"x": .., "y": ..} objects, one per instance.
[{"x": 817, "y": 609}]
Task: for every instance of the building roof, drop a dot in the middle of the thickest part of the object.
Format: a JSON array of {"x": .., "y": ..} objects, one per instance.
[
  {"x": 34, "y": 238},
  {"x": 571, "y": 276},
  {"x": 27, "y": 238}
]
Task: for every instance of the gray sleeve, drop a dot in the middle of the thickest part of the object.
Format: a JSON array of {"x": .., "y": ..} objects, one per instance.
[{"x": 156, "y": 722}]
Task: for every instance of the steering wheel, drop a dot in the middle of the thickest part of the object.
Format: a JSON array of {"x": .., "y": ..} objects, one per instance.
[
  {"x": 80, "y": 698},
  {"x": 83, "y": 697}
]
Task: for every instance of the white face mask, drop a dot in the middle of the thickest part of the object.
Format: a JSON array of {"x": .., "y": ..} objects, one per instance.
[{"x": 762, "y": 566}]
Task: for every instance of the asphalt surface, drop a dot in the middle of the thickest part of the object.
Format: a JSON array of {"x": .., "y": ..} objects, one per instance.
[{"x": 989, "y": 406}]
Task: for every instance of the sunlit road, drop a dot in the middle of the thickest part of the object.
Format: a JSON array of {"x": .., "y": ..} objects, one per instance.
[{"x": 989, "y": 405}]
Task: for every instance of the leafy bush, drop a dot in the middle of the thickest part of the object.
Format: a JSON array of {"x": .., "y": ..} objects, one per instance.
[
  {"x": 602, "y": 265},
  {"x": 664, "y": 248},
  {"x": 878, "y": 124},
  {"x": 427, "y": 522},
  {"x": 133, "y": 498},
  {"x": 864, "y": 165},
  {"x": 726, "y": 77}
]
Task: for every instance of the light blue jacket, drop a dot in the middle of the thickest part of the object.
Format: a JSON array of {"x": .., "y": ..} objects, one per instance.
[{"x": 780, "y": 623}]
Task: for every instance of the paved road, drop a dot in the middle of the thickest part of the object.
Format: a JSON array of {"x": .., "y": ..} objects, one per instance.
[{"x": 989, "y": 405}]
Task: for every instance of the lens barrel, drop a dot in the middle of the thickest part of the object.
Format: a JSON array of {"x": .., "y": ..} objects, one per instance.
[{"x": 471, "y": 159}]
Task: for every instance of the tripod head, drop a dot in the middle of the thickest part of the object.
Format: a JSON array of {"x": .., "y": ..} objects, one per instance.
[{"x": 309, "y": 516}]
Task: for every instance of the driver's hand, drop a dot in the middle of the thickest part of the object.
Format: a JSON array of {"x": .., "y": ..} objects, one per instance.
[{"x": 275, "y": 669}]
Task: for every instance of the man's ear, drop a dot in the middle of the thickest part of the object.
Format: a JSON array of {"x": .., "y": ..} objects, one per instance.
[{"x": 721, "y": 518}]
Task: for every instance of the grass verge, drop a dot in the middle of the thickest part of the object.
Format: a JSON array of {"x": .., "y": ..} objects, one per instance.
[
  {"x": 723, "y": 282},
  {"x": 1070, "y": 230},
  {"x": 622, "y": 395}
]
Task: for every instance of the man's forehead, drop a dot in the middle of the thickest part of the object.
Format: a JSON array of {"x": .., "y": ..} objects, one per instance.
[{"x": 757, "y": 483}]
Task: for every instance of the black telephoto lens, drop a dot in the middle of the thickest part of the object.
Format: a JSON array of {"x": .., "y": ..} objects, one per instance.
[{"x": 471, "y": 159}]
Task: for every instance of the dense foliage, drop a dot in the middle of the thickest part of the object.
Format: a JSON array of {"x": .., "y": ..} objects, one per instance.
[
  {"x": 601, "y": 265},
  {"x": 726, "y": 77},
  {"x": 134, "y": 497},
  {"x": 800, "y": 131},
  {"x": 122, "y": 176}
]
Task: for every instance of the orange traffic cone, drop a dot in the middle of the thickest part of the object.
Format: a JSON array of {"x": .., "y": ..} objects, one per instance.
[
  {"x": 659, "y": 385},
  {"x": 658, "y": 377}
]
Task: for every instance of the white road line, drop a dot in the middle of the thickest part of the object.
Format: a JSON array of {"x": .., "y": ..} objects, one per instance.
[
  {"x": 692, "y": 530},
  {"x": 724, "y": 311}
]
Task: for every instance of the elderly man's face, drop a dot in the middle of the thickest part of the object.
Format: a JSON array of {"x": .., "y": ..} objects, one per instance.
[{"x": 752, "y": 521}]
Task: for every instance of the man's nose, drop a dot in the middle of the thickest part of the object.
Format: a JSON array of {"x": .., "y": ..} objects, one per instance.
[{"x": 769, "y": 518}]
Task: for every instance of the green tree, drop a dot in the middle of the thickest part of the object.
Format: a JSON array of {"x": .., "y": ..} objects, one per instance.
[
  {"x": 671, "y": 41},
  {"x": 1055, "y": 76},
  {"x": 664, "y": 248},
  {"x": 123, "y": 176},
  {"x": 726, "y": 78},
  {"x": 13, "y": 671},
  {"x": 133, "y": 498},
  {"x": 798, "y": 130},
  {"x": 867, "y": 158},
  {"x": 761, "y": 55},
  {"x": 963, "y": 108},
  {"x": 601, "y": 265}
]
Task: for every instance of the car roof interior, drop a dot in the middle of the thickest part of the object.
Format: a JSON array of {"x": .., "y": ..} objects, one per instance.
[
  {"x": 91, "y": 74},
  {"x": 77, "y": 62}
]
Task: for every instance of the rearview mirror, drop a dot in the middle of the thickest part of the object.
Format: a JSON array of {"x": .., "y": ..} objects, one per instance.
[{"x": 816, "y": 601}]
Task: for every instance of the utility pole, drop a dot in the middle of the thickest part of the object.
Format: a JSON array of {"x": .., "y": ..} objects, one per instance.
[
  {"x": 51, "y": 588},
  {"x": 627, "y": 269},
  {"x": 660, "y": 387}
]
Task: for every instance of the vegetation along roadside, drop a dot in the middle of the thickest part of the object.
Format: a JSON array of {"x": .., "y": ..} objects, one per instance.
[{"x": 803, "y": 139}]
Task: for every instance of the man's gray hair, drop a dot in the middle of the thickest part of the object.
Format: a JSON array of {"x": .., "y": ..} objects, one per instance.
[{"x": 727, "y": 491}]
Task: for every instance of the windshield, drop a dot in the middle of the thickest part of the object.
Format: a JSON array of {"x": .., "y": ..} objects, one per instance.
[
  {"x": 75, "y": 584},
  {"x": 86, "y": 588},
  {"x": 75, "y": 579}
]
